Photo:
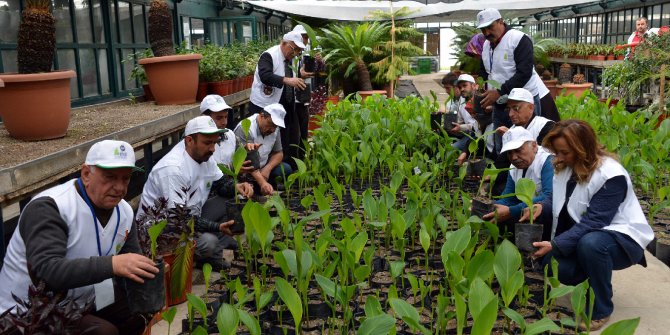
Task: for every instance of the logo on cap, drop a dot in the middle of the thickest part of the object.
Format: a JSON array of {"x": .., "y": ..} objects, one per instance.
[{"x": 120, "y": 152}]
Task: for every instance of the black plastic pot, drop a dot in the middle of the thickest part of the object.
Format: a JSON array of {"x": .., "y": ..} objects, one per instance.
[
  {"x": 450, "y": 118},
  {"x": 310, "y": 63},
  {"x": 476, "y": 167},
  {"x": 149, "y": 297},
  {"x": 663, "y": 251},
  {"x": 319, "y": 309},
  {"x": 234, "y": 212},
  {"x": 525, "y": 234},
  {"x": 255, "y": 158},
  {"x": 436, "y": 121},
  {"x": 211, "y": 324},
  {"x": 483, "y": 118},
  {"x": 481, "y": 206}
]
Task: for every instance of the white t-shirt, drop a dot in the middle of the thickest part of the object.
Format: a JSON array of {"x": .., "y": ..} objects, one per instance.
[{"x": 175, "y": 172}]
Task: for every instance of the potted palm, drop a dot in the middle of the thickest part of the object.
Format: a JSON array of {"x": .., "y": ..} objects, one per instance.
[
  {"x": 36, "y": 46},
  {"x": 173, "y": 78}
]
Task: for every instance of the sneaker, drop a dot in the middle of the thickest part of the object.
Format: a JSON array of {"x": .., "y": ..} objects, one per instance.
[{"x": 595, "y": 324}]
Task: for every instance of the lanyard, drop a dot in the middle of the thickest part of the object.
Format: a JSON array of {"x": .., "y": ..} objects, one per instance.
[
  {"x": 95, "y": 220},
  {"x": 491, "y": 58}
]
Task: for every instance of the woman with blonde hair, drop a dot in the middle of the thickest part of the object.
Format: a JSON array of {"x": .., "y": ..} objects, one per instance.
[{"x": 597, "y": 223}]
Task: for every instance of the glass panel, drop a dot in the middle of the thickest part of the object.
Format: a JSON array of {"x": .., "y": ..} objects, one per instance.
[
  {"x": 81, "y": 13},
  {"x": 89, "y": 73},
  {"x": 97, "y": 22},
  {"x": 138, "y": 24},
  {"x": 66, "y": 61},
  {"x": 124, "y": 23},
  {"x": 186, "y": 31},
  {"x": 197, "y": 32},
  {"x": 9, "y": 20},
  {"x": 126, "y": 67},
  {"x": 9, "y": 61},
  {"x": 104, "y": 73},
  {"x": 63, "y": 23}
]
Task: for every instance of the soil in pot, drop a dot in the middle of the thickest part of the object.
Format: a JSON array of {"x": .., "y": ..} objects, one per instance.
[
  {"x": 482, "y": 206},
  {"x": 525, "y": 234},
  {"x": 148, "y": 297}
]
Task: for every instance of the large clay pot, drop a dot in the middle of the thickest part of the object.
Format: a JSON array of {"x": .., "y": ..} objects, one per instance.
[
  {"x": 36, "y": 106},
  {"x": 552, "y": 87},
  {"x": 575, "y": 89},
  {"x": 365, "y": 94},
  {"x": 173, "y": 79}
]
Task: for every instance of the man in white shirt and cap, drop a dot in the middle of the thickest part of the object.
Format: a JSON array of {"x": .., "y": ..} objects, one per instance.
[
  {"x": 80, "y": 237},
  {"x": 264, "y": 130},
  {"x": 185, "y": 176}
]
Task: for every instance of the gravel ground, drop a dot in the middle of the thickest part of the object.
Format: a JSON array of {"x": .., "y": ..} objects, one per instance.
[{"x": 86, "y": 123}]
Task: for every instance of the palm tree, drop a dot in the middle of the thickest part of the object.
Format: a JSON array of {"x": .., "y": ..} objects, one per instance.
[
  {"x": 160, "y": 29},
  {"x": 37, "y": 38},
  {"x": 346, "y": 46}
]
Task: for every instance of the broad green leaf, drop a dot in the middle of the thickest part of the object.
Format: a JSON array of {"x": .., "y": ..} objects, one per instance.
[
  {"x": 239, "y": 157},
  {"x": 358, "y": 245},
  {"x": 457, "y": 241},
  {"x": 227, "y": 320},
  {"x": 396, "y": 268},
  {"x": 362, "y": 272},
  {"x": 154, "y": 231},
  {"x": 480, "y": 296},
  {"x": 510, "y": 289},
  {"x": 560, "y": 291},
  {"x": 257, "y": 217},
  {"x": 480, "y": 266},
  {"x": 408, "y": 313},
  {"x": 252, "y": 323},
  {"x": 487, "y": 318},
  {"x": 525, "y": 191},
  {"x": 290, "y": 297},
  {"x": 542, "y": 326},
  {"x": 507, "y": 262},
  {"x": 169, "y": 314},
  {"x": 424, "y": 238},
  {"x": 199, "y": 331},
  {"x": 515, "y": 316},
  {"x": 461, "y": 310},
  {"x": 198, "y": 304},
  {"x": 376, "y": 325},
  {"x": 623, "y": 327},
  {"x": 372, "y": 307}
]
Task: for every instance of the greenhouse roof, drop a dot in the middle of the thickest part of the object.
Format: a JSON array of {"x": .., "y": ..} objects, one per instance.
[{"x": 430, "y": 11}]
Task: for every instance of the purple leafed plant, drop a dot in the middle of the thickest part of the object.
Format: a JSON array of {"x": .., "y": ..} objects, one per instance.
[{"x": 318, "y": 100}]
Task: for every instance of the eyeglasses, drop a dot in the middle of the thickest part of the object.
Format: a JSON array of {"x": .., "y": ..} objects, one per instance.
[
  {"x": 293, "y": 49},
  {"x": 515, "y": 108}
]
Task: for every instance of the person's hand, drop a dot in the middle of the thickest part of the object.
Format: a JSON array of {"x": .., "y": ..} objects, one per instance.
[
  {"x": 543, "y": 248},
  {"x": 225, "y": 227},
  {"x": 133, "y": 266},
  {"x": 503, "y": 213},
  {"x": 252, "y": 146},
  {"x": 247, "y": 167},
  {"x": 267, "y": 189},
  {"x": 525, "y": 216},
  {"x": 305, "y": 74},
  {"x": 490, "y": 97},
  {"x": 456, "y": 129},
  {"x": 462, "y": 157},
  {"x": 245, "y": 189},
  {"x": 295, "y": 82},
  {"x": 501, "y": 130}
]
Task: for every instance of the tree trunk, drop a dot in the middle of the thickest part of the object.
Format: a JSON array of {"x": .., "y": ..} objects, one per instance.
[{"x": 363, "y": 76}]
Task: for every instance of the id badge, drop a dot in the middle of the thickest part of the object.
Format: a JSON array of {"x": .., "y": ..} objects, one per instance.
[{"x": 104, "y": 294}]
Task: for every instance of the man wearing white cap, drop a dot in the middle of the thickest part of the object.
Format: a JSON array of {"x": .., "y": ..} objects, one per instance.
[
  {"x": 185, "y": 176},
  {"x": 264, "y": 130},
  {"x": 275, "y": 82},
  {"x": 80, "y": 237},
  {"x": 465, "y": 123},
  {"x": 507, "y": 58},
  {"x": 529, "y": 160}
]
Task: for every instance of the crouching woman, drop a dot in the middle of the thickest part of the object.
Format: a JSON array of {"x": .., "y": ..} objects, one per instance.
[{"x": 597, "y": 222}]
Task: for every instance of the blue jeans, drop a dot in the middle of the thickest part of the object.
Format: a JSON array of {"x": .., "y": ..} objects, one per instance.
[
  {"x": 596, "y": 256},
  {"x": 277, "y": 172}
]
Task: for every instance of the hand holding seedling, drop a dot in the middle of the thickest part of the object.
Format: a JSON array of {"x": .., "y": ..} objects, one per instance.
[
  {"x": 490, "y": 97},
  {"x": 501, "y": 130},
  {"x": 543, "y": 248},
  {"x": 503, "y": 213},
  {"x": 525, "y": 216},
  {"x": 133, "y": 266},
  {"x": 245, "y": 189},
  {"x": 225, "y": 227},
  {"x": 456, "y": 128},
  {"x": 295, "y": 83},
  {"x": 267, "y": 189}
]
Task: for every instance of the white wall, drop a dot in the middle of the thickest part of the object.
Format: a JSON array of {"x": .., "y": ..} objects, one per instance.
[{"x": 447, "y": 35}]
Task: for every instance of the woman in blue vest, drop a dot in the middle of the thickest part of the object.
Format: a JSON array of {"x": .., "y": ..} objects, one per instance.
[{"x": 597, "y": 223}]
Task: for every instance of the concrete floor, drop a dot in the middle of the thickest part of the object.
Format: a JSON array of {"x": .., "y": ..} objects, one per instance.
[{"x": 638, "y": 291}]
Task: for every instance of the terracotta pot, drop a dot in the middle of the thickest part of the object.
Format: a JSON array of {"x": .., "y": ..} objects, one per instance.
[
  {"x": 575, "y": 89},
  {"x": 610, "y": 57},
  {"x": 552, "y": 86},
  {"x": 599, "y": 57},
  {"x": 334, "y": 99},
  {"x": 173, "y": 79},
  {"x": 366, "y": 94},
  {"x": 202, "y": 91},
  {"x": 38, "y": 96},
  {"x": 222, "y": 88},
  {"x": 314, "y": 123},
  {"x": 620, "y": 57}
]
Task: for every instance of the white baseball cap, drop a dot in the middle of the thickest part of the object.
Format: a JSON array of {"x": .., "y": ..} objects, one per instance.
[
  {"x": 277, "y": 113},
  {"x": 111, "y": 154},
  {"x": 202, "y": 125},
  {"x": 214, "y": 103},
  {"x": 521, "y": 94},
  {"x": 300, "y": 29},
  {"x": 294, "y": 37},
  {"x": 515, "y": 137},
  {"x": 465, "y": 77},
  {"x": 486, "y": 17}
]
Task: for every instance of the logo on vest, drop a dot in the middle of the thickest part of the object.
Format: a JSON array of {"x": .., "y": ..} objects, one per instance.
[
  {"x": 267, "y": 90},
  {"x": 505, "y": 56}
]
